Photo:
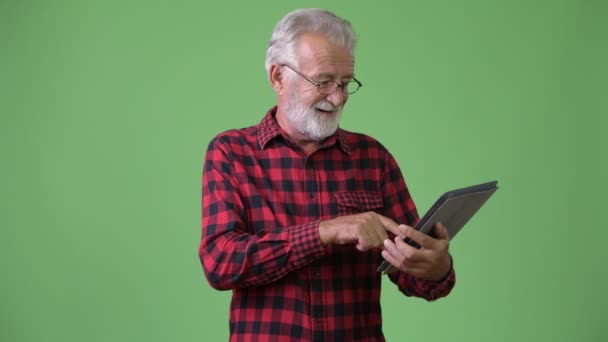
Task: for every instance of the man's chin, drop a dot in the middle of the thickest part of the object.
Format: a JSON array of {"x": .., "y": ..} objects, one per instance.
[
  {"x": 314, "y": 124},
  {"x": 319, "y": 136}
]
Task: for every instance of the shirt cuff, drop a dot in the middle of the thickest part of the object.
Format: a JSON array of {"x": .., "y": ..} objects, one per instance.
[
  {"x": 442, "y": 287},
  {"x": 306, "y": 245}
]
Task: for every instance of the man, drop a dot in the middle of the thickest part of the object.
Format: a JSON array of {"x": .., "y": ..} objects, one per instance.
[{"x": 298, "y": 213}]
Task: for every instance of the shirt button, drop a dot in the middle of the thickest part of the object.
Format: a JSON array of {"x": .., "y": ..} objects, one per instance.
[
  {"x": 311, "y": 195},
  {"x": 317, "y": 274}
]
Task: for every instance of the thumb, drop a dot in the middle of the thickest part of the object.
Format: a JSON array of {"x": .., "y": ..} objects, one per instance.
[{"x": 441, "y": 231}]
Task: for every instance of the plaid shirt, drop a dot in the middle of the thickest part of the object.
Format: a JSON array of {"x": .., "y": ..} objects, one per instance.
[{"x": 263, "y": 198}]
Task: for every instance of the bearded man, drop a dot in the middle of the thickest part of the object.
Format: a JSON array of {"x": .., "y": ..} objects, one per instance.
[{"x": 298, "y": 213}]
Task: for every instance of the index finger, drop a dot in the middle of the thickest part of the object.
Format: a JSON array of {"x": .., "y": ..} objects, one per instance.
[{"x": 391, "y": 225}]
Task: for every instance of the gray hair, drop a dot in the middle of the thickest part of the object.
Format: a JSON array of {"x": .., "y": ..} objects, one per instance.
[{"x": 285, "y": 36}]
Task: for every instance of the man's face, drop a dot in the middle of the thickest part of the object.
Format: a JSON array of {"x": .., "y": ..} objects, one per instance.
[{"x": 313, "y": 115}]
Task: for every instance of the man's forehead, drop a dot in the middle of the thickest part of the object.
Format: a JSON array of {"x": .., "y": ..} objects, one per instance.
[
  {"x": 322, "y": 57},
  {"x": 331, "y": 67}
]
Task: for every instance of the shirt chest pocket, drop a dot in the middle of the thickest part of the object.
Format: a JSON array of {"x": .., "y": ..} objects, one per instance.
[{"x": 353, "y": 202}]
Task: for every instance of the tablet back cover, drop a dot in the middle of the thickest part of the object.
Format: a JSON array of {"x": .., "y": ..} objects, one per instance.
[{"x": 454, "y": 209}]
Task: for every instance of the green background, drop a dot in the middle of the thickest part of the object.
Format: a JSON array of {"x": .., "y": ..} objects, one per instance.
[{"x": 107, "y": 108}]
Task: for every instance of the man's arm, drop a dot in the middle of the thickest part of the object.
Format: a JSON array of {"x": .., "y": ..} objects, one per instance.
[
  {"x": 231, "y": 256},
  {"x": 429, "y": 276}
]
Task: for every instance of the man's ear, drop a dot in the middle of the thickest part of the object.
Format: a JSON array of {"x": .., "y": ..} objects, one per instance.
[{"x": 277, "y": 78}]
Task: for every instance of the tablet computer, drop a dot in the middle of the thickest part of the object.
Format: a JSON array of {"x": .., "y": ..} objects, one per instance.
[{"x": 453, "y": 209}]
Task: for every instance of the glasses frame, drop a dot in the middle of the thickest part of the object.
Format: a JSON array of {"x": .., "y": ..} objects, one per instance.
[{"x": 319, "y": 84}]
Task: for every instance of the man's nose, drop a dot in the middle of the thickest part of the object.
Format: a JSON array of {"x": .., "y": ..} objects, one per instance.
[{"x": 337, "y": 98}]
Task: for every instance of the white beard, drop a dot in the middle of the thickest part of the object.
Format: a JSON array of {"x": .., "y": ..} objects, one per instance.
[{"x": 314, "y": 126}]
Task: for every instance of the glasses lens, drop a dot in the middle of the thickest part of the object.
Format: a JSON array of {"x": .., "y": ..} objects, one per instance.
[
  {"x": 328, "y": 88},
  {"x": 350, "y": 87}
]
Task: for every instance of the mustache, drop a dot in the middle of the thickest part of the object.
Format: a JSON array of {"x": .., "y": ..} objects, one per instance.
[{"x": 325, "y": 105}]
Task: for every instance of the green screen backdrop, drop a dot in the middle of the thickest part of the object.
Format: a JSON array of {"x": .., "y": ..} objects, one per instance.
[{"x": 107, "y": 108}]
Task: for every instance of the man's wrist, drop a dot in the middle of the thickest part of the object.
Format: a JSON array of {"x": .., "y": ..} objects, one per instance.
[
  {"x": 445, "y": 270},
  {"x": 325, "y": 233}
]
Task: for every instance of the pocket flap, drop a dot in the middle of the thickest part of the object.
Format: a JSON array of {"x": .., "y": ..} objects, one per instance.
[{"x": 362, "y": 200}]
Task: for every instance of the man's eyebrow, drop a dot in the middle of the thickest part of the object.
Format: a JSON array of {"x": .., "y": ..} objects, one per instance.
[{"x": 331, "y": 75}]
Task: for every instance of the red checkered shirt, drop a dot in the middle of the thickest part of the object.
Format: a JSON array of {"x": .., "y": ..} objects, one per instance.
[{"x": 263, "y": 199}]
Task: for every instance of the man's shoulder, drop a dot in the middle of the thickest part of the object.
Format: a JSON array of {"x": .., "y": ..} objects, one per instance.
[
  {"x": 246, "y": 135},
  {"x": 239, "y": 136}
]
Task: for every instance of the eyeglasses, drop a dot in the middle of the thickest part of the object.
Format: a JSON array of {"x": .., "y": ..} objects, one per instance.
[{"x": 329, "y": 87}]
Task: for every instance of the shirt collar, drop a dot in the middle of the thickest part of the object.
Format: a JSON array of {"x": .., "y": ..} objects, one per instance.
[{"x": 269, "y": 128}]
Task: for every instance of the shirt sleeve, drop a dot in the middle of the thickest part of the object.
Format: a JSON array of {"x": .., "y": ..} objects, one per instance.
[
  {"x": 400, "y": 206},
  {"x": 233, "y": 257}
]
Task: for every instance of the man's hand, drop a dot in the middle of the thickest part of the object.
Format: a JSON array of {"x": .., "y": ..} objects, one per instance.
[
  {"x": 366, "y": 230},
  {"x": 432, "y": 261}
]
